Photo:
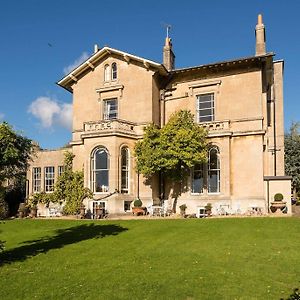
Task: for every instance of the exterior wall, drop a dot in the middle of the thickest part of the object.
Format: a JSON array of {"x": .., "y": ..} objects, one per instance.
[
  {"x": 42, "y": 159},
  {"x": 240, "y": 130},
  {"x": 90, "y": 91},
  {"x": 276, "y": 185}
]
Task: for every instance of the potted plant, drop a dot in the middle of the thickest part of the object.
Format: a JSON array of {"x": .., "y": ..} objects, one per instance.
[
  {"x": 82, "y": 211},
  {"x": 22, "y": 211},
  {"x": 278, "y": 205},
  {"x": 208, "y": 208},
  {"x": 137, "y": 208},
  {"x": 183, "y": 208}
]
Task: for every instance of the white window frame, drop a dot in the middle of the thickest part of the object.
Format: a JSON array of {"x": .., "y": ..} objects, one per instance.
[
  {"x": 60, "y": 170},
  {"x": 114, "y": 71},
  {"x": 106, "y": 109},
  {"x": 125, "y": 170},
  {"x": 218, "y": 170},
  {"x": 94, "y": 170},
  {"x": 36, "y": 179},
  {"x": 49, "y": 172},
  {"x": 212, "y": 107},
  {"x": 107, "y": 73}
]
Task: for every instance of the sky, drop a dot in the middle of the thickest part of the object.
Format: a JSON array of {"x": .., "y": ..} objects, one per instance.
[{"x": 42, "y": 40}]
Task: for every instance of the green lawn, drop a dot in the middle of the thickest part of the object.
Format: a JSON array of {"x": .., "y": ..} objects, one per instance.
[{"x": 243, "y": 258}]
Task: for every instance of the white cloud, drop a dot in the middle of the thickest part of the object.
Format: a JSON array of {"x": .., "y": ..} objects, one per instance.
[
  {"x": 65, "y": 116},
  {"x": 50, "y": 112},
  {"x": 84, "y": 56}
]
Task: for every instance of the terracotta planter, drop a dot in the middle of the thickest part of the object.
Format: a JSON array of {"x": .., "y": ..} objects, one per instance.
[{"x": 138, "y": 211}]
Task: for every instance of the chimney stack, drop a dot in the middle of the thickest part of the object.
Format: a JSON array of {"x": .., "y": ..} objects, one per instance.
[
  {"x": 260, "y": 35},
  {"x": 168, "y": 55}
]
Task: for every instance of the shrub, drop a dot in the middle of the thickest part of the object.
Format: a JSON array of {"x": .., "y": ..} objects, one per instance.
[
  {"x": 183, "y": 207},
  {"x": 278, "y": 197},
  {"x": 3, "y": 208},
  {"x": 137, "y": 203},
  {"x": 208, "y": 207}
]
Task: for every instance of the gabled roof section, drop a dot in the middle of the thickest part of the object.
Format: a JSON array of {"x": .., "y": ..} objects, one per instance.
[{"x": 68, "y": 80}]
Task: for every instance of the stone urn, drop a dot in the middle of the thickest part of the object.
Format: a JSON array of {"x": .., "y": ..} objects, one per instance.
[
  {"x": 82, "y": 211},
  {"x": 33, "y": 212},
  {"x": 277, "y": 205}
]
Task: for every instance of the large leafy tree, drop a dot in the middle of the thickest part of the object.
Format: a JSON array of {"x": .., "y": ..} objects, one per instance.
[
  {"x": 173, "y": 149},
  {"x": 15, "y": 152},
  {"x": 292, "y": 155}
]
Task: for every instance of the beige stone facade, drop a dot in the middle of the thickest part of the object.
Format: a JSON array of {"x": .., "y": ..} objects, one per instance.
[{"x": 240, "y": 102}]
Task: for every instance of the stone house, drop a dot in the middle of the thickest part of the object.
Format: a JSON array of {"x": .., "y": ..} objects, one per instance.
[{"x": 115, "y": 94}]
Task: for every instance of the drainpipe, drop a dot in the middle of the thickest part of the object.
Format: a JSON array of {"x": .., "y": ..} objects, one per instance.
[
  {"x": 268, "y": 195},
  {"x": 138, "y": 185}
]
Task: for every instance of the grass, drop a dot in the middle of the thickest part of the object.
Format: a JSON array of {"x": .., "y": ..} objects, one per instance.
[{"x": 249, "y": 258}]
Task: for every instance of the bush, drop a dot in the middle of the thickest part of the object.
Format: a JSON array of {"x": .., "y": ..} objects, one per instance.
[
  {"x": 3, "y": 208},
  {"x": 208, "y": 207},
  {"x": 183, "y": 207},
  {"x": 278, "y": 197},
  {"x": 137, "y": 203}
]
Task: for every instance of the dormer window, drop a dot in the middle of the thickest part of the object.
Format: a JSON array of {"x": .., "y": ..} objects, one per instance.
[
  {"x": 106, "y": 73},
  {"x": 114, "y": 72}
]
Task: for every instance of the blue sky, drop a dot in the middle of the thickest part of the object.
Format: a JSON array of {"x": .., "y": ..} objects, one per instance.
[{"x": 41, "y": 39}]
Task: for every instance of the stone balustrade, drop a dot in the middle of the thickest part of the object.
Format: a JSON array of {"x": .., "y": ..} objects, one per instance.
[
  {"x": 216, "y": 126},
  {"x": 109, "y": 125}
]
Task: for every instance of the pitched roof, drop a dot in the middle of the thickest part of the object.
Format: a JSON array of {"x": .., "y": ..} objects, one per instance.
[
  {"x": 224, "y": 63},
  {"x": 89, "y": 64}
]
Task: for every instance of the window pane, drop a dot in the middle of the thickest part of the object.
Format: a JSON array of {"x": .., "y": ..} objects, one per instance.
[
  {"x": 110, "y": 109},
  {"x": 197, "y": 180},
  {"x": 36, "y": 180},
  {"x": 213, "y": 182},
  {"x": 101, "y": 159},
  {"x": 205, "y": 107},
  {"x": 114, "y": 71},
  {"x": 214, "y": 171},
  {"x": 106, "y": 73},
  {"x": 49, "y": 179},
  {"x": 205, "y": 119},
  {"x": 124, "y": 170},
  {"x": 101, "y": 181},
  {"x": 213, "y": 159}
]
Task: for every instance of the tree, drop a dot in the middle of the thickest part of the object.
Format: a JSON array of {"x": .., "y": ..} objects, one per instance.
[
  {"x": 15, "y": 153},
  {"x": 173, "y": 149},
  {"x": 69, "y": 189},
  {"x": 292, "y": 155}
]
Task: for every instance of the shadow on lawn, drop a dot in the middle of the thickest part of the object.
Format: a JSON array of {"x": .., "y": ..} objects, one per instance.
[{"x": 61, "y": 238}]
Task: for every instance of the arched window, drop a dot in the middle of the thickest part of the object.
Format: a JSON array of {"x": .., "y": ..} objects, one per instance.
[
  {"x": 106, "y": 73},
  {"x": 213, "y": 170},
  {"x": 100, "y": 170},
  {"x": 114, "y": 71},
  {"x": 124, "y": 170}
]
